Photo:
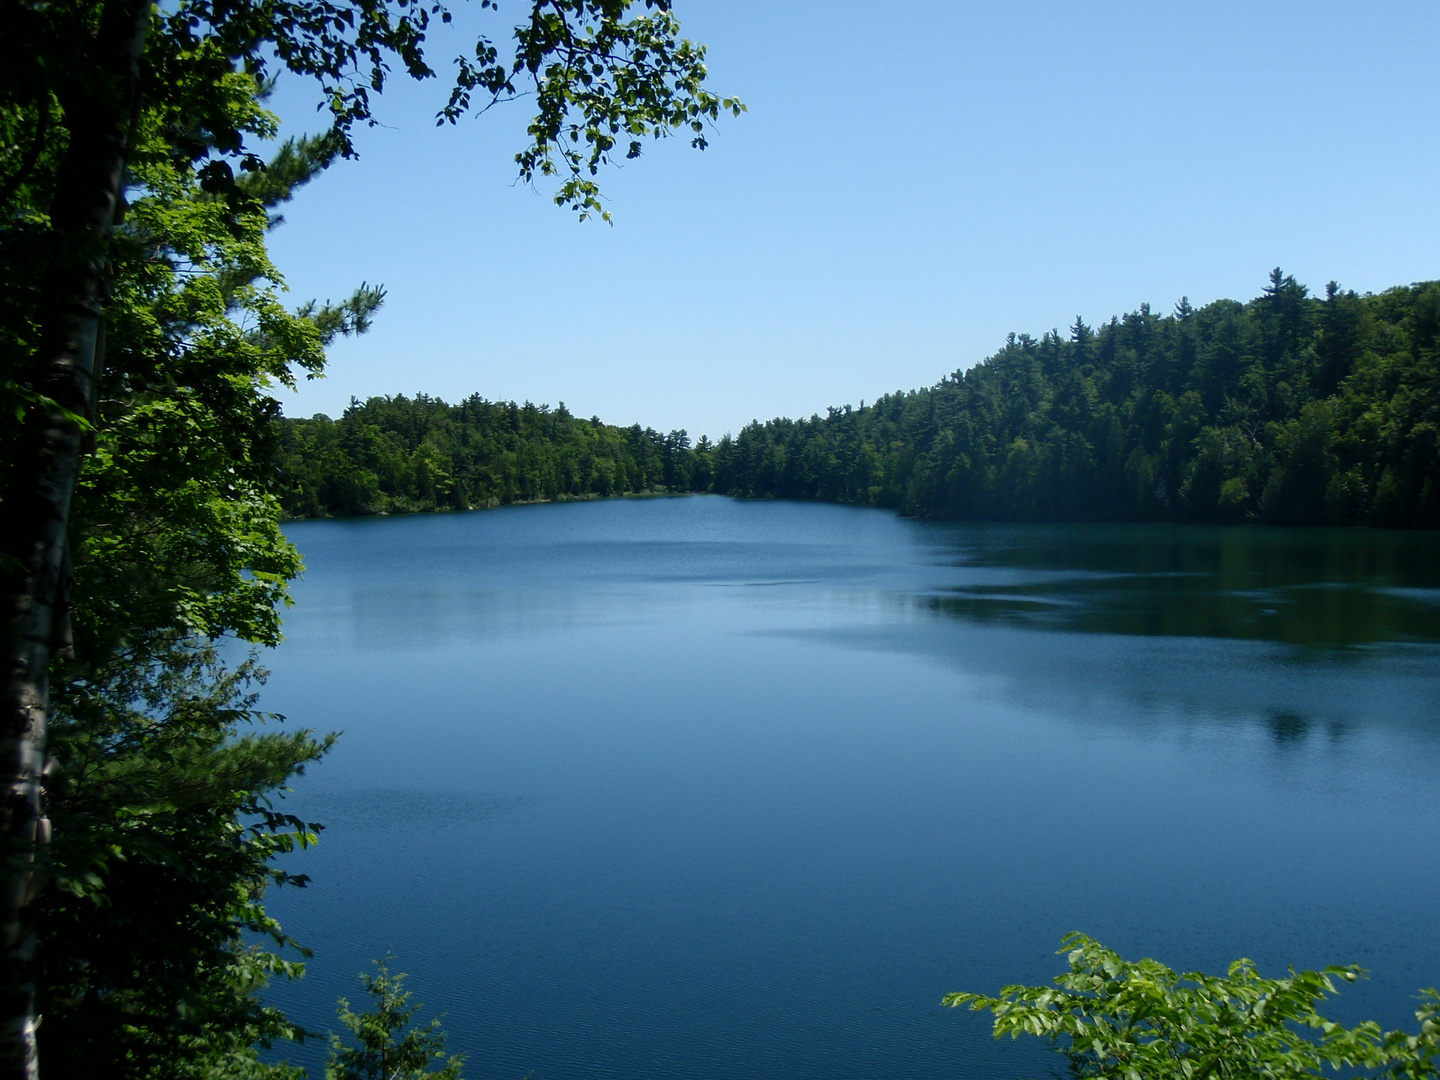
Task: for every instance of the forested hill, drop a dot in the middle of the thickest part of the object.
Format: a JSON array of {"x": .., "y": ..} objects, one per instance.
[
  {"x": 1287, "y": 409},
  {"x": 403, "y": 455}
]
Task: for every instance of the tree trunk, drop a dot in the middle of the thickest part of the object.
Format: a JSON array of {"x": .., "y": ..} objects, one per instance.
[{"x": 98, "y": 117}]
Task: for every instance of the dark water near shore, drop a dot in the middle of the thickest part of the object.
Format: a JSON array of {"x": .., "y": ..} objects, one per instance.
[{"x": 704, "y": 788}]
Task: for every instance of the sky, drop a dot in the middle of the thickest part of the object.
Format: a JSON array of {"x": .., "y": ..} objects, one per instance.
[{"x": 912, "y": 181}]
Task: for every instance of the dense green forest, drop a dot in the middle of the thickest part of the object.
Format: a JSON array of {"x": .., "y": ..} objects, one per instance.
[
  {"x": 397, "y": 455},
  {"x": 1288, "y": 409}
]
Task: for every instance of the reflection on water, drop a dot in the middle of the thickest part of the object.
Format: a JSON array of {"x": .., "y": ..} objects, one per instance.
[
  {"x": 1301, "y": 615},
  {"x": 1319, "y": 587},
  {"x": 709, "y": 788},
  {"x": 1291, "y": 727},
  {"x": 379, "y": 811},
  {"x": 1300, "y": 587}
]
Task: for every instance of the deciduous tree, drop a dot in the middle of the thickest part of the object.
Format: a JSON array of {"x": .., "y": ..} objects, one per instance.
[
  {"x": 1132, "y": 1019},
  {"x": 96, "y": 93}
]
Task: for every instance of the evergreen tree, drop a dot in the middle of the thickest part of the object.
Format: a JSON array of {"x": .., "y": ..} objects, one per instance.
[
  {"x": 1288, "y": 410},
  {"x": 404, "y": 455}
]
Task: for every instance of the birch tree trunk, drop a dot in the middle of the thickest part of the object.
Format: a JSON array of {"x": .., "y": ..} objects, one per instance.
[{"x": 98, "y": 116}]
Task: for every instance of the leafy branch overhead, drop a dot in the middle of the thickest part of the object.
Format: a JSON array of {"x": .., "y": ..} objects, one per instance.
[
  {"x": 602, "y": 80},
  {"x": 598, "y": 81}
]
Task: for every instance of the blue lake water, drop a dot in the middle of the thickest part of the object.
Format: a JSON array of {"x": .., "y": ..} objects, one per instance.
[{"x": 703, "y": 788}]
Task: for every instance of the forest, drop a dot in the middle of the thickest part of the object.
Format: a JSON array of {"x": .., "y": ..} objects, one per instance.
[
  {"x": 404, "y": 455},
  {"x": 1288, "y": 409}
]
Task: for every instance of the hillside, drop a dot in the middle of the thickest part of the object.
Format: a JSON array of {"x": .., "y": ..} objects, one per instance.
[{"x": 1289, "y": 409}]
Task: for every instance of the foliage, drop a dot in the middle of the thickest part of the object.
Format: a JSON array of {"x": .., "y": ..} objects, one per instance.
[
  {"x": 598, "y": 81},
  {"x": 133, "y": 209},
  {"x": 1124, "y": 1020},
  {"x": 164, "y": 839},
  {"x": 1288, "y": 410},
  {"x": 602, "y": 78},
  {"x": 161, "y": 803},
  {"x": 388, "y": 1045},
  {"x": 398, "y": 455}
]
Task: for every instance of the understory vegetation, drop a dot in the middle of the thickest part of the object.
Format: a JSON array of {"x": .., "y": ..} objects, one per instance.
[{"x": 1289, "y": 409}]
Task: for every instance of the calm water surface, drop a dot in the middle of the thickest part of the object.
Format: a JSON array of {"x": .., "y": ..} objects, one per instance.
[{"x": 704, "y": 788}]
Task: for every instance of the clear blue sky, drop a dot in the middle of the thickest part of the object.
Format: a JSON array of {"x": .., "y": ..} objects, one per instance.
[{"x": 912, "y": 181}]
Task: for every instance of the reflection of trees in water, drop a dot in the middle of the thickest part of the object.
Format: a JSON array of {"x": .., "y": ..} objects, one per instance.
[
  {"x": 1239, "y": 555},
  {"x": 1279, "y": 692},
  {"x": 1288, "y": 727},
  {"x": 1150, "y": 607},
  {"x": 1322, "y": 587}
]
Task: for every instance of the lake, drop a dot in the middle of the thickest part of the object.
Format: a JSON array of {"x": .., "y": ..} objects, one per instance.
[{"x": 698, "y": 787}]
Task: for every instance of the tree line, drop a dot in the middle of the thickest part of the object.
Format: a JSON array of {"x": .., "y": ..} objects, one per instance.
[
  {"x": 403, "y": 455},
  {"x": 1288, "y": 409}
]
